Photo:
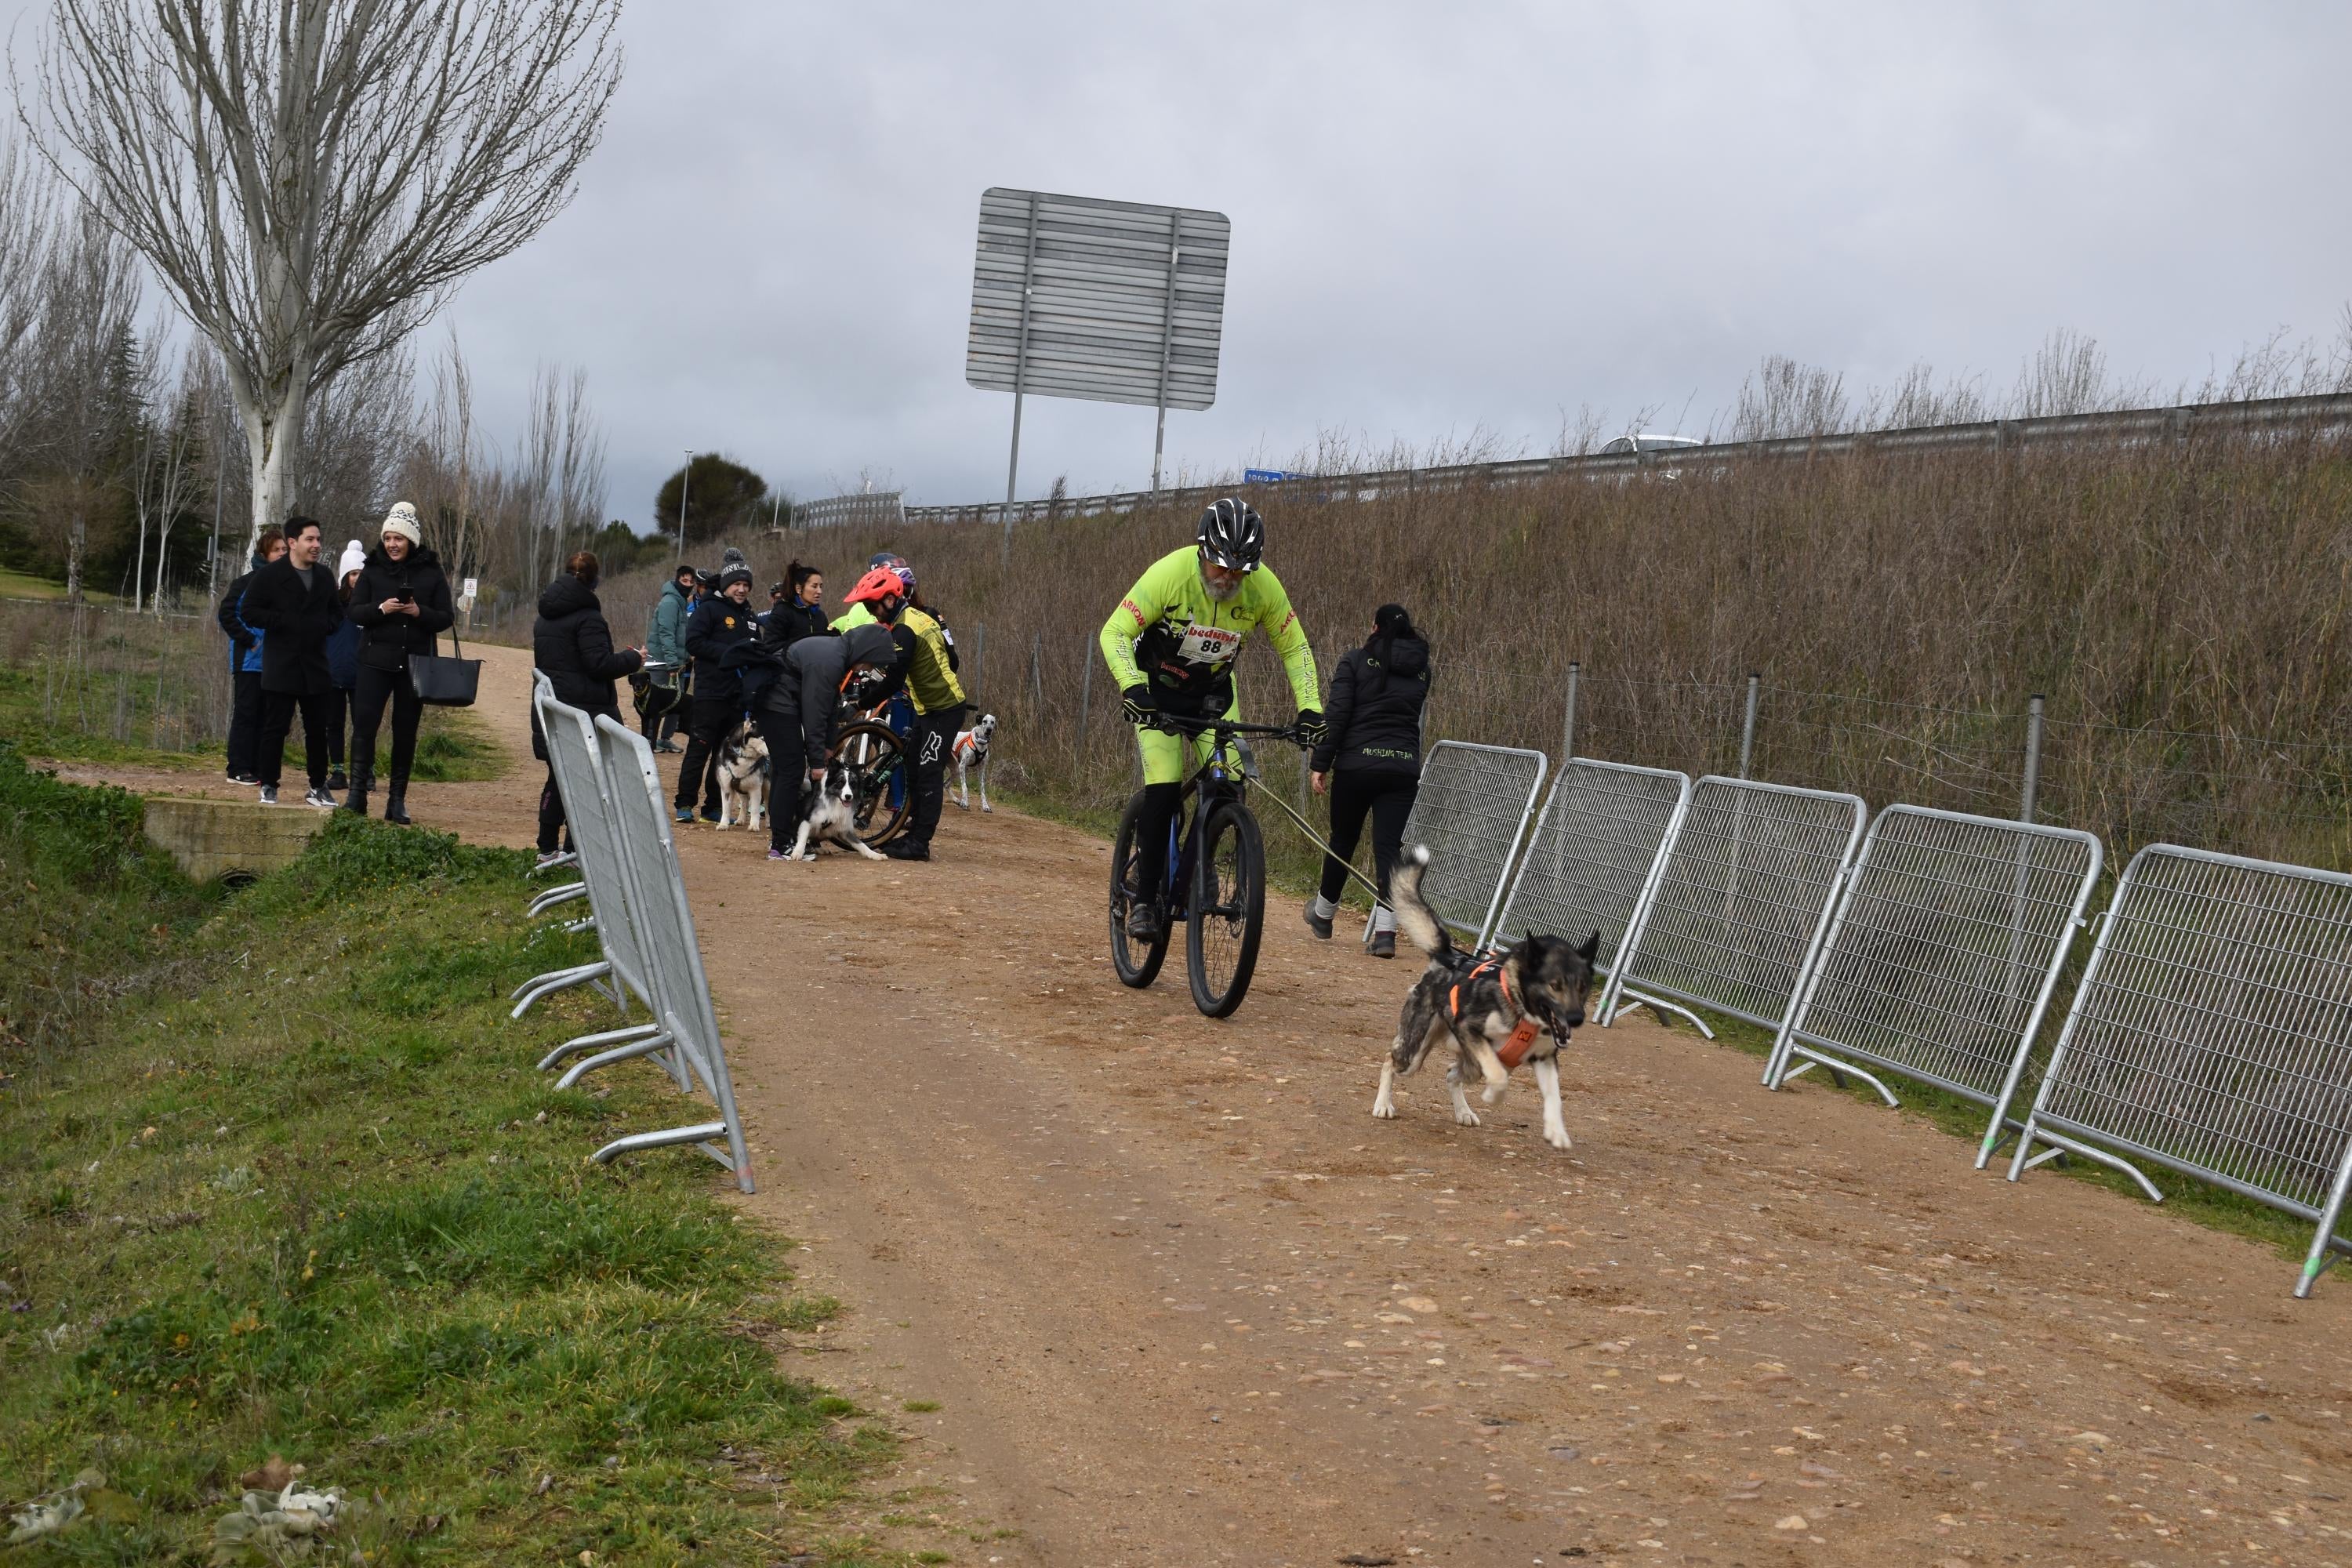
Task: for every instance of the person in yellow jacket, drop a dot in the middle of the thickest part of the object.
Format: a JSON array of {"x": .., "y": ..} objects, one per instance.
[
  {"x": 936, "y": 694},
  {"x": 1170, "y": 645}
]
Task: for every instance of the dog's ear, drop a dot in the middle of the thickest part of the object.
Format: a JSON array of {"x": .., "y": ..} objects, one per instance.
[{"x": 1591, "y": 948}]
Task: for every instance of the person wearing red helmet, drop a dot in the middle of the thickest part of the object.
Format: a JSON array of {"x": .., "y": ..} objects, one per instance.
[{"x": 933, "y": 692}]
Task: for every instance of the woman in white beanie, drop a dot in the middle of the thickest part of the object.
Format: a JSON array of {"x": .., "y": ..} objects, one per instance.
[{"x": 400, "y": 602}]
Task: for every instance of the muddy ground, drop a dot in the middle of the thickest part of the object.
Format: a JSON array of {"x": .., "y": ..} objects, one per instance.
[{"x": 1179, "y": 1299}]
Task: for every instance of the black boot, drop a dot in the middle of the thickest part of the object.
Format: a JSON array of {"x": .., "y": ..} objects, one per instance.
[
  {"x": 335, "y": 779},
  {"x": 355, "y": 801},
  {"x": 396, "y": 802}
]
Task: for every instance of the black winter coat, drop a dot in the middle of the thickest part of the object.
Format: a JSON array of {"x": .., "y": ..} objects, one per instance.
[
  {"x": 790, "y": 621},
  {"x": 297, "y": 618},
  {"x": 716, "y": 625},
  {"x": 807, "y": 692},
  {"x": 386, "y": 641},
  {"x": 572, "y": 643},
  {"x": 1373, "y": 705}
]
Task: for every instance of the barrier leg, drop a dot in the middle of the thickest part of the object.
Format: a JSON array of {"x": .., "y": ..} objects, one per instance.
[
  {"x": 554, "y": 896},
  {"x": 1833, "y": 1068},
  {"x": 607, "y": 1058},
  {"x": 589, "y": 1041},
  {"x": 558, "y": 980},
  {"x": 700, "y": 1133},
  {"x": 2325, "y": 1241},
  {"x": 1656, "y": 1005}
]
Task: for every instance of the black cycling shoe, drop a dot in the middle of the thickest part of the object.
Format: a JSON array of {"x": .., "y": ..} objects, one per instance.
[
  {"x": 1142, "y": 923},
  {"x": 1384, "y": 945},
  {"x": 1316, "y": 923},
  {"x": 907, "y": 849}
]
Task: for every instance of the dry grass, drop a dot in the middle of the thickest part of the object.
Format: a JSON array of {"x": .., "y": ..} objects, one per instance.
[{"x": 2184, "y": 605}]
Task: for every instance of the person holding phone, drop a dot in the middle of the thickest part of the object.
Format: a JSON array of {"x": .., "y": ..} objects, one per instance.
[{"x": 401, "y": 603}]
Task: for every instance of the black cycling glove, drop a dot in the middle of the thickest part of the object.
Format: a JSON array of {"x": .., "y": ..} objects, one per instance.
[
  {"x": 1313, "y": 728},
  {"x": 1135, "y": 705}
]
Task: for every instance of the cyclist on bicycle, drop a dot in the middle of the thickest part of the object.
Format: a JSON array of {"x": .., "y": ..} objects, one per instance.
[{"x": 1170, "y": 645}]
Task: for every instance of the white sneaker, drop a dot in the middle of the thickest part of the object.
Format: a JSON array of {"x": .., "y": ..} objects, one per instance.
[
  {"x": 269, "y": 794},
  {"x": 319, "y": 798}
]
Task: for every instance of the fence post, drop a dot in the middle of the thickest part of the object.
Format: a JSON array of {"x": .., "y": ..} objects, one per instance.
[
  {"x": 1036, "y": 673},
  {"x": 2033, "y": 759},
  {"x": 979, "y": 660},
  {"x": 1567, "y": 724},
  {"x": 1748, "y": 724},
  {"x": 1085, "y": 695}
]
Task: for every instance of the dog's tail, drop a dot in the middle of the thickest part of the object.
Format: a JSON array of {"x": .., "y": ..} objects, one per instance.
[{"x": 1415, "y": 919}]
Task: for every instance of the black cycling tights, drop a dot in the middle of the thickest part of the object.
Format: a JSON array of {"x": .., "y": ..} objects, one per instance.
[{"x": 1160, "y": 802}]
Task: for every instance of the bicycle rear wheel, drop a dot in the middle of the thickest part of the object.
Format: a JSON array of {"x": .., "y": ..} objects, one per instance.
[
  {"x": 877, "y": 760},
  {"x": 1228, "y": 909},
  {"x": 1136, "y": 964}
]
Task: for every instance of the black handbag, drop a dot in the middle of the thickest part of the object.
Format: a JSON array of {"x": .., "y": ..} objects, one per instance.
[{"x": 445, "y": 682}]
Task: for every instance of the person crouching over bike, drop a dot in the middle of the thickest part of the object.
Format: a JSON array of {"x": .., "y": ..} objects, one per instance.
[
  {"x": 1171, "y": 645},
  {"x": 801, "y": 714}
]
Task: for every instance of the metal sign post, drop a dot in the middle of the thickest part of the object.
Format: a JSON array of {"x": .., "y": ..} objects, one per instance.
[{"x": 1021, "y": 361}]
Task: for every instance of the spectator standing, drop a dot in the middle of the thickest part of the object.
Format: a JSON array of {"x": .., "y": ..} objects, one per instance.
[
  {"x": 800, "y": 612},
  {"x": 245, "y": 665},
  {"x": 934, "y": 693},
  {"x": 666, "y": 644},
  {"x": 295, "y": 601},
  {"x": 401, "y": 604},
  {"x": 572, "y": 643},
  {"x": 1369, "y": 761},
  {"x": 717, "y": 624}
]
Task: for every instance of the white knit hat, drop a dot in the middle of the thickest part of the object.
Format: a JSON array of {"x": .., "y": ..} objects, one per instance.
[
  {"x": 354, "y": 557},
  {"x": 401, "y": 520}
]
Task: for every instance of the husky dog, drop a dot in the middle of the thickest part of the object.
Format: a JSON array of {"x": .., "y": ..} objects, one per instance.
[
  {"x": 830, "y": 815},
  {"x": 971, "y": 751},
  {"x": 742, "y": 777},
  {"x": 1517, "y": 1004}
]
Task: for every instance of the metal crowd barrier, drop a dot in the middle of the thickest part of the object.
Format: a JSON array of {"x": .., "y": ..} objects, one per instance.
[
  {"x": 1740, "y": 904},
  {"x": 1595, "y": 858},
  {"x": 597, "y": 830},
  {"x": 681, "y": 991},
  {"x": 1942, "y": 957},
  {"x": 1473, "y": 804},
  {"x": 584, "y": 811},
  {"x": 2212, "y": 1034}
]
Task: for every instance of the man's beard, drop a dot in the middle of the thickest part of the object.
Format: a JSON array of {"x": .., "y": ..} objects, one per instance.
[{"x": 1209, "y": 585}]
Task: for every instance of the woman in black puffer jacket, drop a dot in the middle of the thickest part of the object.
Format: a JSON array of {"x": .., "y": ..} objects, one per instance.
[
  {"x": 401, "y": 603},
  {"x": 1369, "y": 761},
  {"x": 572, "y": 643}
]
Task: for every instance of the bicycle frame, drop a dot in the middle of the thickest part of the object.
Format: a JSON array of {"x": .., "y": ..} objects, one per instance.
[{"x": 1222, "y": 776}]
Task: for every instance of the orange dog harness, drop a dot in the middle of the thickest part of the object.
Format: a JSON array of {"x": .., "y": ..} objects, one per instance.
[{"x": 1513, "y": 1050}]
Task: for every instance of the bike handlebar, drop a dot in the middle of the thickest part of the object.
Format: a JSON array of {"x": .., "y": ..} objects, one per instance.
[{"x": 1185, "y": 724}]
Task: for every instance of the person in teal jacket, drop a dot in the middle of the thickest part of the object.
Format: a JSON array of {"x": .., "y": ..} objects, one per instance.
[{"x": 666, "y": 644}]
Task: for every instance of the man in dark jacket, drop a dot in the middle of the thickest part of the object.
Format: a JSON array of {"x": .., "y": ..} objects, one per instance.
[
  {"x": 245, "y": 665},
  {"x": 401, "y": 604},
  {"x": 571, "y": 645},
  {"x": 802, "y": 713},
  {"x": 295, "y": 602},
  {"x": 1369, "y": 761},
  {"x": 717, "y": 624}
]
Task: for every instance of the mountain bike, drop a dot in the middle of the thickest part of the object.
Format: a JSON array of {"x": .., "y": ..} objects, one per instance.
[
  {"x": 877, "y": 760},
  {"x": 1216, "y": 873}
]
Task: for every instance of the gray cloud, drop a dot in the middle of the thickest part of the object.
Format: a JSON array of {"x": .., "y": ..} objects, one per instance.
[{"x": 1444, "y": 219}]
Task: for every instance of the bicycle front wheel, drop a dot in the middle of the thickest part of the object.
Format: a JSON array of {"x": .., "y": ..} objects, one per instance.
[
  {"x": 1228, "y": 910},
  {"x": 877, "y": 760}
]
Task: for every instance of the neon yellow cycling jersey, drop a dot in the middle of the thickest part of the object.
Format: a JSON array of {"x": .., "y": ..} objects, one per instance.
[{"x": 1169, "y": 633}]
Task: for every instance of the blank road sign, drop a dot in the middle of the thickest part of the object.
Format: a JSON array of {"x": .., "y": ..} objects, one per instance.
[{"x": 1124, "y": 302}]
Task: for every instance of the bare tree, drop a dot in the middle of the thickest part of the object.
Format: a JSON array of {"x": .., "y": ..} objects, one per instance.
[
  {"x": 29, "y": 219},
  {"x": 79, "y": 386},
  {"x": 311, "y": 182}
]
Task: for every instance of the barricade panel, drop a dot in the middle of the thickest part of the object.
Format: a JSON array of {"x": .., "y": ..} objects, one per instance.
[
  {"x": 1472, "y": 807},
  {"x": 571, "y": 750},
  {"x": 1942, "y": 953},
  {"x": 1742, "y": 899},
  {"x": 672, "y": 951},
  {"x": 1596, "y": 850},
  {"x": 2212, "y": 1034}
]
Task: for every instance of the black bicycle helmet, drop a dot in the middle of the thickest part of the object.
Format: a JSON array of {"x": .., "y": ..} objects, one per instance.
[{"x": 1233, "y": 535}]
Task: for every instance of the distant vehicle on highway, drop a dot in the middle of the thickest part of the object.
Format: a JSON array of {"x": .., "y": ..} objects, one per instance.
[{"x": 1648, "y": 441}]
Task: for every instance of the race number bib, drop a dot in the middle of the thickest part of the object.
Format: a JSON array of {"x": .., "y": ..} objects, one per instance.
[{"x": 1209, "y": 645}]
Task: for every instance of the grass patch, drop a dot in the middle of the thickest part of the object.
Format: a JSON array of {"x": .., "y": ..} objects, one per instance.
[
  {"x": 43, "y": 724},
  {"x": 289, "y": 1185},
  {"x": 17, "y": 585},
  {"x": 454, "y": 745}
]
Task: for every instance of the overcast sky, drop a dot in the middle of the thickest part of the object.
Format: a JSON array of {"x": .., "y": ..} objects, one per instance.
[{"x": 1444, "y": 219}]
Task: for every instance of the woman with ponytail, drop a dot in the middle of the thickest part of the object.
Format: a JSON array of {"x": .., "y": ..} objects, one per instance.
[{"x": 1370, "y": 763}]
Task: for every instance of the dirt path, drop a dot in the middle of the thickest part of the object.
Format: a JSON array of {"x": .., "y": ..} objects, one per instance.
[{"x": 1182, "y": 1301}]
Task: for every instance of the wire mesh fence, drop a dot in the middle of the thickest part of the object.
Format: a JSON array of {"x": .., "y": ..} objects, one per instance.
[
  {"x": 1742, "y": 898},
  {"x": 2212, "y": 1034},
  {"x": 1941, "y": 958},
  {"x": 1595, "y": 852},
  {"x": 1472, "y": 809}
]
